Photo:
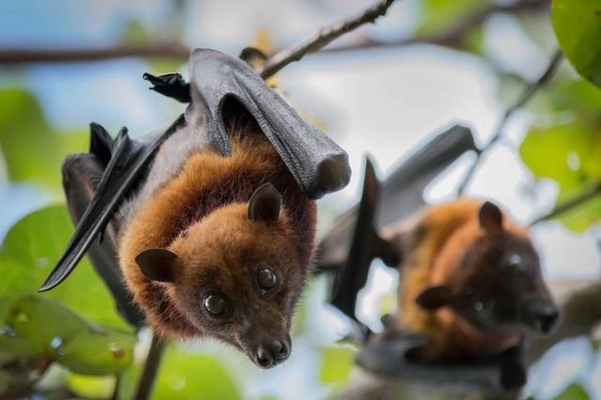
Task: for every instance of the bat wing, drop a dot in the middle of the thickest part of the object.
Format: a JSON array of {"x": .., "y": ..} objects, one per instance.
[
  {"x": 122, "y": 163},
  {"x": 82, "y": 173},
  {"x": 318, "y": 164},
  {"x": 401, "y": 195},
  {"x": 365, "y": 242},
  {"x": 403, "y": 189}
]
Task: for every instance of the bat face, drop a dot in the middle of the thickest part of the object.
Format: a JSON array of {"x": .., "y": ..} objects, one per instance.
[
  {"x": 236, "y": 276},
  {"x": 506, "y": 292},
  {"x": 500, "y": 287}
]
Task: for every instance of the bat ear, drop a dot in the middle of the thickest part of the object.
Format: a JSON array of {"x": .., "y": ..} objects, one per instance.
[
  {"x": 490, "y": 217},
  {"x": 264, "y": 205},
  {"x": 158, "y": 264},
  {"x": 435, "y": 297}
]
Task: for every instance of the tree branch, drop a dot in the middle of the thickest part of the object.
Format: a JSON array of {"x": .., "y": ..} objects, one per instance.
[
  {"x": 151, "y": 367},
  {"x": 526, "y": 95},
  {"x": 575, "y": 201},
  {"x": 455, "y": 35},
  {"x": 17, "y": 56},
  {"x": 324, "y": 37}
]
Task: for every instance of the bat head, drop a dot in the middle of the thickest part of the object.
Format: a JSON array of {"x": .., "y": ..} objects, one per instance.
[
  {"x": 236, "y": 275},
  {"x": 500, "y": 287}
]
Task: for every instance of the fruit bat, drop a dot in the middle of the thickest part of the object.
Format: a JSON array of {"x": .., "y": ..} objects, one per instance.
[
  {"x": 389, "y": 353},
  {"x": 205, "y": 228}
]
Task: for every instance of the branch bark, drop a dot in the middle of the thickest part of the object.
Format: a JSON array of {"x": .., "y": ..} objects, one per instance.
[
  {"x": 575, "y": 201},
  {"x": 17, "y": 56},
  {"x": 455, "y": 35},
  {"x": 151, "y": 367},
  {"x": 323, "y": 38}
]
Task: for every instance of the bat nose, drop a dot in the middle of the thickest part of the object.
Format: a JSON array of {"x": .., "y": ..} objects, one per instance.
[
  {"x": 546, "y": 318},
  {"x": 271, "y": 353}
]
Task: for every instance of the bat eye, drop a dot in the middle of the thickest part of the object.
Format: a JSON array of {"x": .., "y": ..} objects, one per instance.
[
  {"x": 266, "y": 278},
  {"x": 515, "y": 262},
  {"x": 214, "y": 304}
]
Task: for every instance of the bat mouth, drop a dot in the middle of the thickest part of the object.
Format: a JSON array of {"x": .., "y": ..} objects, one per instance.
[{"x": 544, "y": 320}]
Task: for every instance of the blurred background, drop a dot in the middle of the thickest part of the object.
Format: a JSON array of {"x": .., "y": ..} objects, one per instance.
[{"x": 383, "y": 90}]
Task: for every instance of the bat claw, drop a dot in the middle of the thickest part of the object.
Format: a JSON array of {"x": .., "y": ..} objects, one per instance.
[
  {"x": 170, "y": 85},
  {"x": 252, "y": 55}
]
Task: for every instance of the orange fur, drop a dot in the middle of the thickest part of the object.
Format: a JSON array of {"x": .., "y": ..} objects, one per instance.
[
  {"x": 201, "y": 215},
  {"x": 433, "y": 248}
]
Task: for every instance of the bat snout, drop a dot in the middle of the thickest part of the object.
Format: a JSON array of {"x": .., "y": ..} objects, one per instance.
[
  {"x": 271, "y": 352},
  {"x": 544, "y": 318}
]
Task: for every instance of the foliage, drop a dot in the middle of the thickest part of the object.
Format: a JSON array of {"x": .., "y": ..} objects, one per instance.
[
  {"x": 31, "y": 332},
  {"x": 577, "y": 25},
  {"x": 25, "y": 136},
  {"x": 572, "y": 139},
  {"x": 574, "y": 391},
  {"x": 29, "y": 251}
]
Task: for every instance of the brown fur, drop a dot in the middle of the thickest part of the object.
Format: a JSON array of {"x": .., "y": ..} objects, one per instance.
[
  {"x": 433, "y": 248},
  {"x": 201, "y": 215}
]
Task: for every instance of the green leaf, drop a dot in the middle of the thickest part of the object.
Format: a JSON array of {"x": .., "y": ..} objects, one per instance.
[
  {"x": 573, "y": 392},
  {"x": 4, "y": 381},
  {"x": 577, "y": 96},
  {"x": 53, "y": 332},
  {"x": 440, "y": 15},
  {"x": 31, "y": 149},
  {"x": 336, "y": 364},
  {"x": 184, "y": 375},
  {"x": 99, "y": 351},
  {"x": 31, "y": 248},
  {"x": 565, "y": 153},
  {"x": 188, "y": 376},
  {"x": 568, "y": 154},
  {"x": 577, "y": 25},
  {"x": 91, "y": 387}
]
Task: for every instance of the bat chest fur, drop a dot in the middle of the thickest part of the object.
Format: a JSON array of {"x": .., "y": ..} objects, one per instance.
[
  {"x": 208, "y": 181},
  {"x": 448, "y": 230}
]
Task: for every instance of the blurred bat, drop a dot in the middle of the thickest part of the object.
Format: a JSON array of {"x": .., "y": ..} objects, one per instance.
[{"x": 353, "y": 242}]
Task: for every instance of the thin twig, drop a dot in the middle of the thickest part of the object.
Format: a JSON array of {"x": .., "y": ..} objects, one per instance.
[
  {"x": 575, "y": 201},
  {"x": 526, "y": 95},
  {"x": 117, "y": 388},
  {"x": 324, "y": 37},
  {"x": 151, "y": 367},
  {"x": 455, "y": 35}
]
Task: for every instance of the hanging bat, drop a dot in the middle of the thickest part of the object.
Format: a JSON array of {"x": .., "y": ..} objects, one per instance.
[
  {"x": 411, "y": 346},
  {"x": 208, "y": 226},
  {"x": 471, "y": 283}
]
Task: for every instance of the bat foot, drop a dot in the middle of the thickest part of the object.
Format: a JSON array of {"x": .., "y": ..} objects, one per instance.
[
  {"x": 170, "y": 85},
  {"x": 513, "y": 375},
  {"x": 512, "y": 370},
  {"x": 252, "y": 56},
  {"x": 386, "y": 353}
]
